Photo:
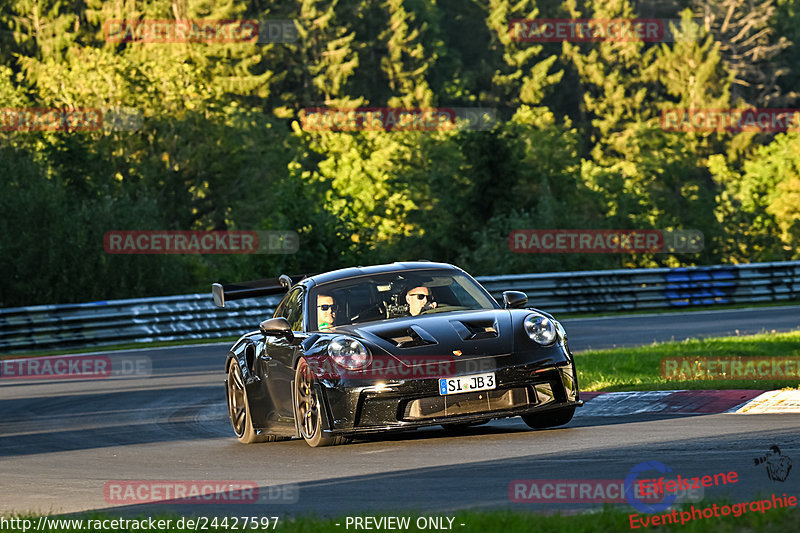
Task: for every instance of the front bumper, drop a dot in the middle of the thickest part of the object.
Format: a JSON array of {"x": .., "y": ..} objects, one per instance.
[{"x": 354, "y": 407}]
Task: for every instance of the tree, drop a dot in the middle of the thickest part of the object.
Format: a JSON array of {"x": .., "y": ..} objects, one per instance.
[
  {"x": 745, "y": 33},
  {"x": 406, "y": 62},
  {"x": 786, "y": 23},
  {"x": 326, "y": 56},
  {"x": 520, "y": 77},
  {"x": 762, "y": 214},
  {"x": 649, "y": 177}
]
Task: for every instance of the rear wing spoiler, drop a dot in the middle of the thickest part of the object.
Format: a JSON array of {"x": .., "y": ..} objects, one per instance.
[{"x": 250, "y": 289}]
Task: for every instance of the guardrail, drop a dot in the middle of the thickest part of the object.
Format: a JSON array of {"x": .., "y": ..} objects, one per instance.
[
  {"x": 194, "y": 316},
  {"x": 650, "y": 288}
]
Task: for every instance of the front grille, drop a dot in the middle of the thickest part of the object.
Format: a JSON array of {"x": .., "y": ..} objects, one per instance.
[{"x": 467, "y": 403}]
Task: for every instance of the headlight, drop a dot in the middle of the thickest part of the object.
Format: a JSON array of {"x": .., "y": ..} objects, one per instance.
[
  {"x": 540, "y": 329},
  {"x": 349, "y": 353}
]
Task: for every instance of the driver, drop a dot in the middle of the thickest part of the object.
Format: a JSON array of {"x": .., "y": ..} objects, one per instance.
[
  {"x": 419, "y": 299},
  {"x": 326, "y": 312}
]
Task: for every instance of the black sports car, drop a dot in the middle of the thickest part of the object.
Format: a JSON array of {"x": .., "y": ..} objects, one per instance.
[{"x": 393, "y": 347}]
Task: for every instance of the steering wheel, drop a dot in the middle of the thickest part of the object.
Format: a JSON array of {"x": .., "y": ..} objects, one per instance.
[
  {"x": 442, "y": 308},
  {"x": 427, "y": 307}
]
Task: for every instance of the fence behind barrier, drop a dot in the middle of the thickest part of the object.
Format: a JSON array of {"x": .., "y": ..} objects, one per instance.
[{"x": 194, "y": 316}]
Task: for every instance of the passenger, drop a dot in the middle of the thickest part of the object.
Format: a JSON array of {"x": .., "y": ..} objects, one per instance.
[{"x": 326, "y": 312}]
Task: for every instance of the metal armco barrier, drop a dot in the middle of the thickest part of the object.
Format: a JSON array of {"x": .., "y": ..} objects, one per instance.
[
  {"x": 650, "y": 288},
  {"x": 194, "y": 316}
]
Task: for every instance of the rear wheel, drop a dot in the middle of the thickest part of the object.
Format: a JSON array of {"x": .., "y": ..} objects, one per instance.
[
  {"x": 307, "y": 409},
  {"x": 556, "y": 417},
  {"x": 238, "y": 408}
]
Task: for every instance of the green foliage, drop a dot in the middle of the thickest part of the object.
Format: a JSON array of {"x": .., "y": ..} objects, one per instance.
[
  {"x": 764, "y": 198},
  {"x": 578, "y": 143},
  {"x": 786, "y": 23}
]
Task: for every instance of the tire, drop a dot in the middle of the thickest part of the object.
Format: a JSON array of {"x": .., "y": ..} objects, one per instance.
[
  {"x": 556, "y": 417},
  {"x": 307, "y": 409},
  {"x": 239, "y": 408},
  {"x": 462, "y": 427}
]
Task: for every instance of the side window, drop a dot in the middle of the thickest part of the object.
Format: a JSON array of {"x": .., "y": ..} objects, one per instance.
[
  {"x": 460, "y": 294},
  {"x": 281, "y": 309},
  {"x": 291, "y": 308}
]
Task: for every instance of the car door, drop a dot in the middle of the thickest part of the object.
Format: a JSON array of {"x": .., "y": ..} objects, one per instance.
[{"x": 283, "y": 352}]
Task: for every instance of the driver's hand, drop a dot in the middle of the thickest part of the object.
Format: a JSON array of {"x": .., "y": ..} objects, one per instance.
[{"x": 427, "y": 307}]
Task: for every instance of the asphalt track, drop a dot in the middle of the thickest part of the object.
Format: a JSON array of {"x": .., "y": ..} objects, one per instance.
[{"x": 62, "y": 442}]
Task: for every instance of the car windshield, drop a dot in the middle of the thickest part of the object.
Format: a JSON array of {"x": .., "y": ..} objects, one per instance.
[{"x": 393, "y": 295}]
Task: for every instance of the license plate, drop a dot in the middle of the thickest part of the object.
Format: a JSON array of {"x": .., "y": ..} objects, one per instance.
[{"x": 467, "y": 383}]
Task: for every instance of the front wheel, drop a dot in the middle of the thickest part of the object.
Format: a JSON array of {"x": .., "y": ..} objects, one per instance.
[
  {"x": 307, "y": 409},
  {"x": 556, "y": 417}
]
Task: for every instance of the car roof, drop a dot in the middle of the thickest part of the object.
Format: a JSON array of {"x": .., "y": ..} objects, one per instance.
[{"x": 353, "y": 272}]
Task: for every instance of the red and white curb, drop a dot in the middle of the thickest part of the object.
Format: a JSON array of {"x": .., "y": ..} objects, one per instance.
[{"x": 690, "y": 402}]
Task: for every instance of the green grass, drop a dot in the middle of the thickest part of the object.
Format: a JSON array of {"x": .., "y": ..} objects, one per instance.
[
  {"x": 607, "y": 519},
  {"x": 639, "y": 368}
]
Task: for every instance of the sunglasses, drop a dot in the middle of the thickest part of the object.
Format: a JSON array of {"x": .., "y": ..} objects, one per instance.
[
  {"x": 419, "y": 296},
  {"x": 327, "y": 307}
]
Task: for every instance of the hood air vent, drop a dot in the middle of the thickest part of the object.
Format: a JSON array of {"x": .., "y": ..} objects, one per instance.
[
  {"x": 471, "y": 330},
  {"x": 408, "y": 337}
]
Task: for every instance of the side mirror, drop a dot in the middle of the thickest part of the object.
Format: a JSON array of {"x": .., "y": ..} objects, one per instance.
[
  {"x": 276, "y": 327},
  {"x": 514, "y": 299}
]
